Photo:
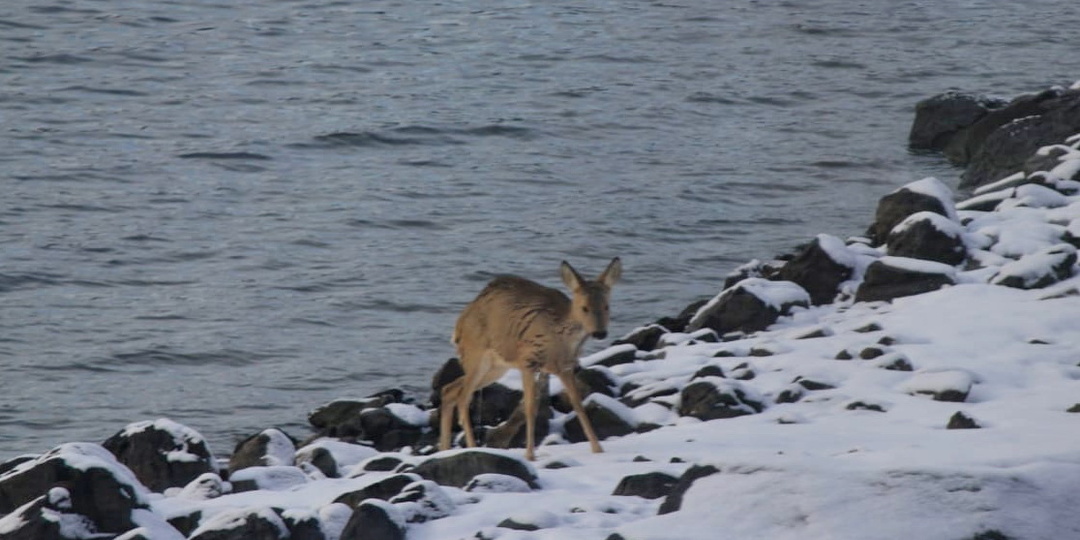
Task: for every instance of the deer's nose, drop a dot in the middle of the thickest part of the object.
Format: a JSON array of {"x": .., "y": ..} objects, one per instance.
[{"x": 600, "y": 334}]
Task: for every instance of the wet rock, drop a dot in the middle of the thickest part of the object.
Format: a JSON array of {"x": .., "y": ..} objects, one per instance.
[
  {"x": 709, "y": 370},
  {"x": 341, "y": 418},
  {"x": 1000, "y": 143},
  {"x": 381, "y": 463},
  {"x": 375, "y": 520},
  {"x": 927, "y": 195},
  {"x": 651, "y": 485},
  {"x": 712, "y": 398},
  {"x": 818, "y": 270},
  {"x": 97, "y": 486},
  {"x": 609, "y": 418},
  {"x": 928, "y": 236},
  {"x": 459, "y": 468},
  {"x": 673, "y": 501},
  {"x": 751, "y": 305},
  {"x": 271, "y": 447},
  {"x": 938, "y": 119},
  {"x": 384, "y": 489},
  {"x": 161, "y": 453},
  {"x": 894, "y": 277},
  {"x": 186, "y": 523},
  {"x": 388, "y": 431}
]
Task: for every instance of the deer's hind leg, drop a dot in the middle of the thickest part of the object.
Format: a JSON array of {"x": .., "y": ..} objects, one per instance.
[{"x": 484, "y": 371}]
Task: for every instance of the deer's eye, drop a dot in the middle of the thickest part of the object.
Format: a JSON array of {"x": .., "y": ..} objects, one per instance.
[{"x": 585, "y": 309}]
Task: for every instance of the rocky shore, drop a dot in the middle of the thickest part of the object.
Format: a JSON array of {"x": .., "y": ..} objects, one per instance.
[{"x": 915, "y": 381}]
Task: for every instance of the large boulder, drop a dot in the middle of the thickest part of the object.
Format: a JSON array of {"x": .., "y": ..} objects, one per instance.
[
  {"x": 255, "y": 523},
  {"x": 929, "y": 236},
  {"x": 674, "y": 499},
  {"x": 926, "y": 195},
  {"x": 162, "y": 453},
  {"x": 820, "y": 268},
  {"x": 1003, "y": 141},
  {"x": 459, "y": 467},
  {"x": 341, "y": 418},
  {"x": 271, "y": 447},
  {"x": 938, "y": 119},
  {"x": 384, "y": 489},
  {"x": 95, "y": 486},
  {"x": 751, "y": 305},
  {"x": 375, "y": 520},
  {"x": 893, "y": 277}
]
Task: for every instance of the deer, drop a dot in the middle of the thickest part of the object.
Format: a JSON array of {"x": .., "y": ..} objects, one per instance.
[{"x": 518, "y": 323}]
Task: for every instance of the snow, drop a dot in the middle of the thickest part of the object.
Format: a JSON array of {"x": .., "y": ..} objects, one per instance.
[
  {"x": 937, "y": 189},
  {"x": 866, "y": 456}
]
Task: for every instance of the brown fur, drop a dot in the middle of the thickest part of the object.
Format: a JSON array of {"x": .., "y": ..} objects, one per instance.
[{"x": 517, "y": 323}]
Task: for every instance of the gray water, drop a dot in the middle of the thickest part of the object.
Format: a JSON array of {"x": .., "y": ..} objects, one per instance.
[{"x": 229, "y": 213}]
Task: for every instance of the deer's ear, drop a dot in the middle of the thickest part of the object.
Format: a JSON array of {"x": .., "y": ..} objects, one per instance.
[
  {"x": 612, "y": 273},
  {"x": 570, "y": 277}
]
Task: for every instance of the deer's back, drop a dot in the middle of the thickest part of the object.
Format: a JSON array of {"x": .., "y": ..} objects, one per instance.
[{"x": 511, "y": 312}]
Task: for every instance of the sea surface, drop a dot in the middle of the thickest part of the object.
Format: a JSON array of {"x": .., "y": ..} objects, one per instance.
[{"x": 231, "y": 212}]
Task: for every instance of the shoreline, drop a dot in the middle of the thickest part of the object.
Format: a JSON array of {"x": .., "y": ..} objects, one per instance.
[{"x": 819, "y": 370}]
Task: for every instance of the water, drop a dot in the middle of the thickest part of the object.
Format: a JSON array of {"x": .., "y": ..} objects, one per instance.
[{"x": 230, "y": 213}]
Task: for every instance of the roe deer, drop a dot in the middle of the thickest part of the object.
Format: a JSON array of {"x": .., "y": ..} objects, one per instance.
[{"x": 516, "y": 323}]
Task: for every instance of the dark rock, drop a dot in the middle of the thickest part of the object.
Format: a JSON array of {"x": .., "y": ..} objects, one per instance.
[
  {"x": 501, "y": 483},
  {"x": 709, "y": 399},
  {"x": 341, "y": 418},
  {"x": 863, "y": 406},
  {"x": 868, "y": 328},
  {"x": 97, "y": 486},
  {"x": 679, "y": 322},
  {"x": 258, "y": 523},
  {"x": 644, "y": 339},
  {"x": 41, "y": 519},
  {"x": 1074, "y": 409},
  {"x": 590, "y": 381},
  {"x": 384, "y": 489},
  {"x": 321, "y": 459},
  {"x": 301, "y": 528},
  {"x": 509, "y": 523},
  {"x": 450, "y": 371},
  {"x": 815, "y": 270},
  {"x": 887, "y": 340},
  {"x": 615, "y": 355},
  {"x": 895, "y": 362},
  {"x": 423, "y": 501},
  {"x": 938, "y": 119},
  {"x": 269, "y": 448},
  {"x": 150, "y": 450},
  {"x": 790, "y": 395},
  {"x": 374, "y": 521},
  {"x": 844, "y": 355},
  {"x": 962, "y": 421},
  {"x": 512, "y": 432},
  {"x": 1001, "y": 142},
  {"x": 386, "y": 431},
  {"x": 709, "y": 370},
  {"x": 186, "y": 523},
  {"x": 606, "y": 421},
  {"x": 991, "y": 534},
  {"x": 458, "y": 469},
  {"x": 812, "y": 385},
  {"x": 640, "y": 396},
  {"x": 891, "y": 278},
  {"x": 870, "y": 353},
  {"x": 651, "y": 485},
  {"x": 928, "y": 236},
  {"x": 382, "y": 463},
  {"x": 1051, "y": 265},
  {"x": 898, "y": 206},
  {"x": 673, "y": 501},
  {"x": 741, "y": 307},
  {"x": 743, "y": 372}
]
